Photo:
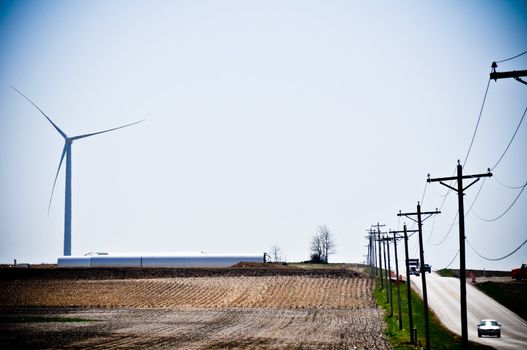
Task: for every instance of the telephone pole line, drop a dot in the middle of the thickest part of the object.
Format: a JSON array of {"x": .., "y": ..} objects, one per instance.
[
  {"x": 380, "y": 250},
  {"x": 388, "y": 275},
  {"x": 385, "y": 268},
  {"x": 420, "y": 221},
  {"x": 395, "y": 237},
  {"x": 408, "y": 287},
  {"x": 461, "y": 214},
  {"x": 372, "y": 258}
]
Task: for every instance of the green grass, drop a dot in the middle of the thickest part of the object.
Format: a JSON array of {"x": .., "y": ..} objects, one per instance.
[
  {"x": 39, "y": 319},
  {"x": 325, "y": 266},
  {"x": 512, "y": 295},
  {"x": 440, "y": 337},
  {"x": 446, "y": 273}
]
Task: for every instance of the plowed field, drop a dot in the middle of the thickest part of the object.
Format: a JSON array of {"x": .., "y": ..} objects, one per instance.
[{"x": 219, "y": 312}]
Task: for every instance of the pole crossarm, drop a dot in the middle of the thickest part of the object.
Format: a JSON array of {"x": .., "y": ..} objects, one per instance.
[
  {"x": 515, "y": 74},
  {"x": 450, "y": 178},
  {"x": 399, "y": 237},
  {"x": 382, "y": 232},
  {"x": 442, "y": 180},
  {"x": 429, "y": 213},
  {"x": 511, "y": 74},
  {"x": 402, "y": 231}
]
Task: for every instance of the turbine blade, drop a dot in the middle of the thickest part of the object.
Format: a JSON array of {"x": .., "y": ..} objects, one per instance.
[
  {"x": 102, "y": 132},
  {"x": 44, "y": 114},
  {"x": 56, "y": 176}
]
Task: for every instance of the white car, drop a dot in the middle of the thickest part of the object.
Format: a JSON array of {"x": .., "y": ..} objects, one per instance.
[{"x": 489, "y": 327}]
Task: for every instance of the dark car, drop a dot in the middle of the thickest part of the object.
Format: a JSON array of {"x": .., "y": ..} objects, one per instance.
[
  {"x": 427, "y": 268},
  {"x": 489, "y": 327}
]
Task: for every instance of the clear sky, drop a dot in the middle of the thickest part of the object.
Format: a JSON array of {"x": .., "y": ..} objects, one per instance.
[{"x": 265, "y": 119}]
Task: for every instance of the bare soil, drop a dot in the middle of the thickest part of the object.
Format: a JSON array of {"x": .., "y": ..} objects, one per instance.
[{"x": 205, "y": 309}]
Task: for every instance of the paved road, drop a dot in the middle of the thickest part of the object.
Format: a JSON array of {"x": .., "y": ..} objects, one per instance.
[{"x": 443, "y": 299}]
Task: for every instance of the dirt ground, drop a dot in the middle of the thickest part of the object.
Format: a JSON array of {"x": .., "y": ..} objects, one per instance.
[{"x": 333, "y": 310}]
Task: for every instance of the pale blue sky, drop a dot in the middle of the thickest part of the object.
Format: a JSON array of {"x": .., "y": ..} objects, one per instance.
[{"x": 265, "y": 119}]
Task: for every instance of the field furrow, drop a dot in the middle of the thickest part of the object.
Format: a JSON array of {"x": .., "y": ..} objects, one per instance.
[{"x": 279, "y": 312}]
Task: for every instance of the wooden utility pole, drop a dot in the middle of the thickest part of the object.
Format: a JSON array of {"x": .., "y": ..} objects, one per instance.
[
  {"x": 380, "y": 250},
  {"x": 420, "y": 221},
  {"x": 408, "y": 287},
  {"x": 395, "y": 238},
  {"x": 397, "y": 282},
  {"x": 386, "y": 270},
  {"x": 372, "y": 252},
  {"x": 461, "y": 214},
  {"x": 389, "y": 274}
]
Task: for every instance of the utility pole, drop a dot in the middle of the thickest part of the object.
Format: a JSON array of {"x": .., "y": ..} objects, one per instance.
[
  {"x": 516, "y": 74},
  {"x": 389, "y": 275},
  {"x": 420, "y": 221},
  {"x": 395, "y": 237},
  {"x": 385, "y": 269},
  {"x": 374, "y": 252},
  {"x": 380, "y": 250},
  {"x": 371, "y": 252},
  {"x": 461, "y": 214},
  {"x": 408, "y": 287}
]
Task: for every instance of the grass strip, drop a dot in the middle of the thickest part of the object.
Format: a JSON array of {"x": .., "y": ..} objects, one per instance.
[
  {"x": 446, "y": 273},
  {"x": 512, "y": 295},
  {"x": 440, "y": 336}
]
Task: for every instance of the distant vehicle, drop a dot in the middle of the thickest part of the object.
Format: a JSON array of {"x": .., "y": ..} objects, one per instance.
[
  {"x": 413, "y": 264},
  {"x": 520, "y": 274},
  {"x": 427, "y": 268},
  {"x": 489, "y": 327}
]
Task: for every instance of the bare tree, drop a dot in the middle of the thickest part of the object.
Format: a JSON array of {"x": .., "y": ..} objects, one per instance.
[
  {"x": 316, "y": 248},
  {"x": 322, "y": 245},
  {"x": 276, "y": 253}
]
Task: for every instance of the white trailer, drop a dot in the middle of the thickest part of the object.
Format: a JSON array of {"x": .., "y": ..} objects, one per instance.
[{"x": 157, "y": 260}]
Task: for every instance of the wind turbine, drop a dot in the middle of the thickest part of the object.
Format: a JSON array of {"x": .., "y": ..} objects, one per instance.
[{"x": 66, "y": 151}]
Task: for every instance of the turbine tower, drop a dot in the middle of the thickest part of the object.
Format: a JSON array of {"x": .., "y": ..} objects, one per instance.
[{"x": 66, "y": 151}]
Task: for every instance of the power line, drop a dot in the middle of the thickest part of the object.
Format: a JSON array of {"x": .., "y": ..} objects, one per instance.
[
  {"x": 448, "y": 189},
  {"x": 454, "y": 222},
  {"x": 471, "y": 143},
  {"x": 495, "y": 259},
  {"x": 431, "y": 230},
  {"x": 476, "y": 198},
  {"x": 477, "y": 123},
  {"x": 511, "y": 58},
  {"x": 496, "y": 164},
  {"x": 441, "y": 195},
  {"x": 508, "y": 186},
  {"x": 451, "y": 261},
  {"x": 424, "y": 192},
  {"x": 512, "y": 138},
  {"x": 506, "y": 210},
  {"x": 449, "y": 230}
]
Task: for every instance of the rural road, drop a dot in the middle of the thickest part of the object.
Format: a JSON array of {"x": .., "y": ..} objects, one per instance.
[{"x": 443, "y": 299}]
